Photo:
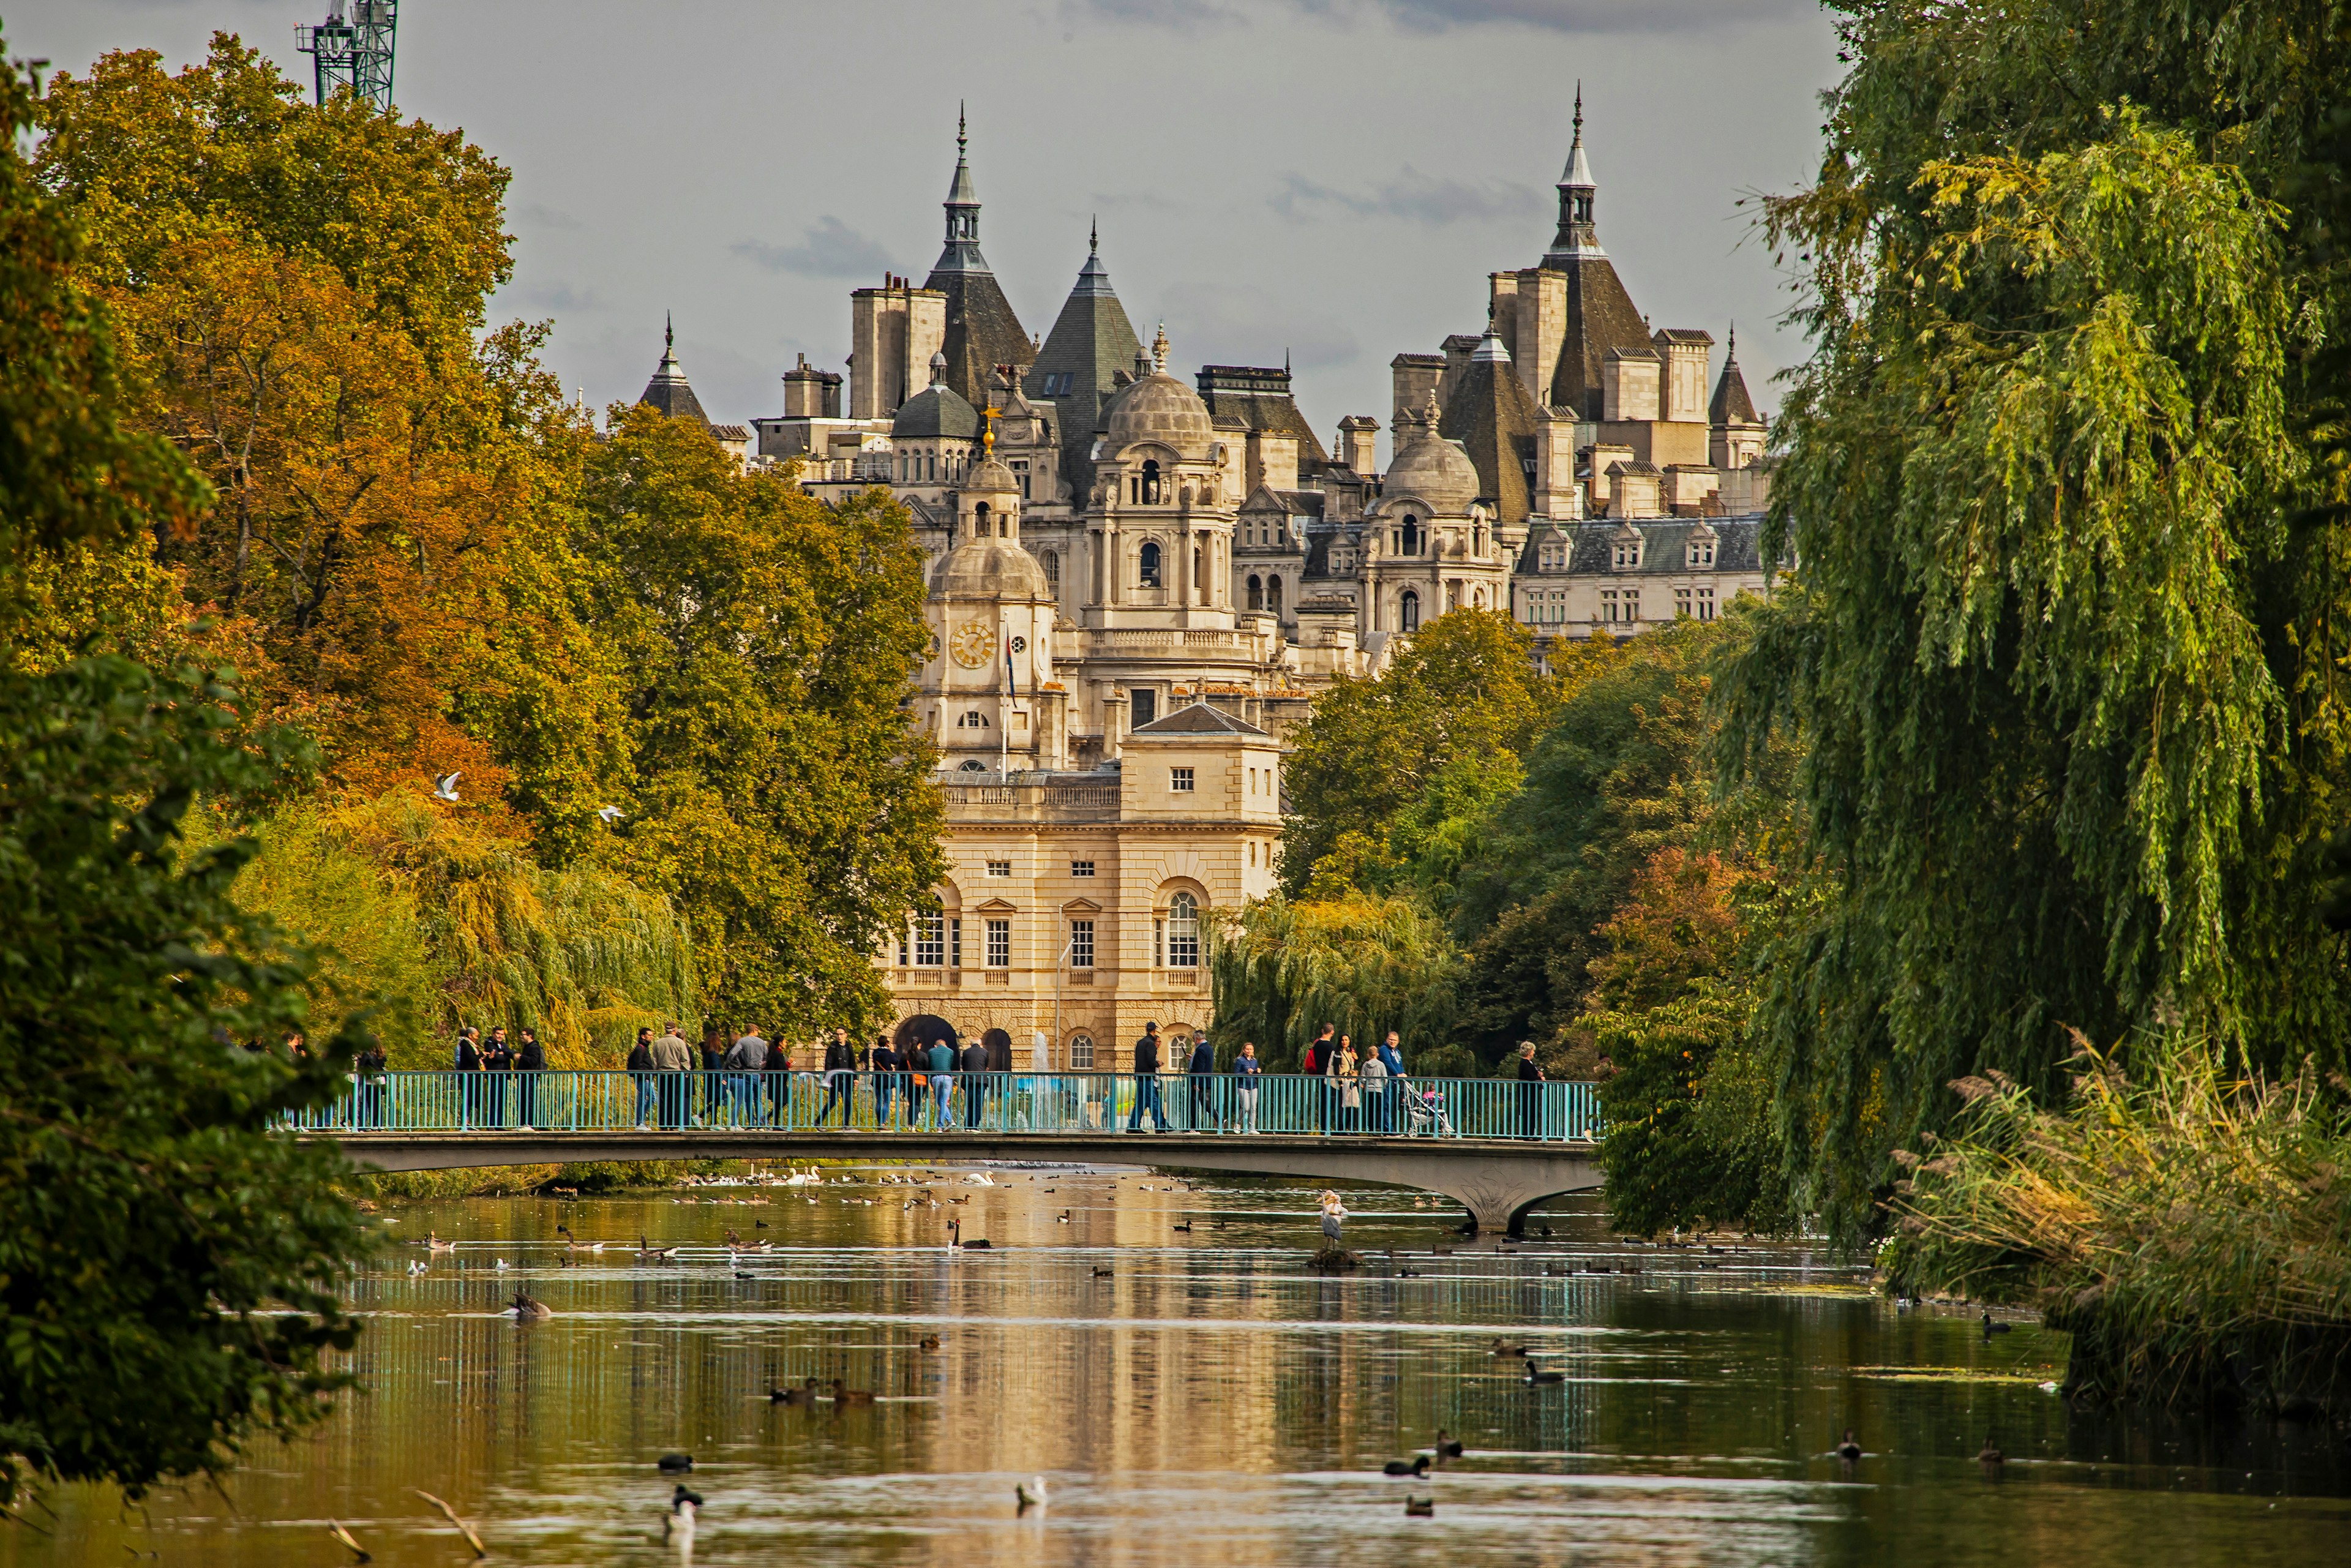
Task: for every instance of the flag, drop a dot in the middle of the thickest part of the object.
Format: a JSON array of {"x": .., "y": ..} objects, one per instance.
[{"x": 1012, "y": 679}]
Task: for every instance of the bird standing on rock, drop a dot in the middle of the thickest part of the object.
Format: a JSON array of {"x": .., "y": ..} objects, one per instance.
[{"x": 1334, "y": 1214}]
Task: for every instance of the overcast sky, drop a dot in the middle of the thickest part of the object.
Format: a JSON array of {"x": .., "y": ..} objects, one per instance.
[{"x": 1330, "y": 178}]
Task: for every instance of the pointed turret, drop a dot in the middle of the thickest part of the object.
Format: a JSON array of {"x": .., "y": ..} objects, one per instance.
[
  {"x": 982, "y": 331},
  {"x": 1735, "y": 430},
  {"x": 1493, "y": 419},
  {"x": 1597, "y": 314},
  {"x": 1090, "y": 342},
  {"x": 668, "y": 391}
]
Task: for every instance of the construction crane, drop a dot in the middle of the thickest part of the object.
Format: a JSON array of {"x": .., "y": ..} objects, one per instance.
[{"x": 352, "y": 48}]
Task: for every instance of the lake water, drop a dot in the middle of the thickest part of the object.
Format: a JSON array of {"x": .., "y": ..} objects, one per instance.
[{"x": 1194, "y": 1397}]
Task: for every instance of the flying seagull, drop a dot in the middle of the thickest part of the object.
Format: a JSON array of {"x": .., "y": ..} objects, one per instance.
[
  {"x": 607, "y": 815},
  {"x": 445, "y": 787}
]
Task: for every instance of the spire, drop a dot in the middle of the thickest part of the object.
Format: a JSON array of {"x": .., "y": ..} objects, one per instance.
[
  {"x": 668, "y": 391},
  {"x": 1093, "y": 278},
  {"x": 1159, "y": 350},
  {"x": 1731, "y": 404},
  {"x": 1576, "y": 236},
  {"x": 962, "y": 252}
]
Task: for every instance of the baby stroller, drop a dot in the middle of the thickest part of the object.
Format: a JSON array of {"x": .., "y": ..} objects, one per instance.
[{"x": 1424, "y": 1113}]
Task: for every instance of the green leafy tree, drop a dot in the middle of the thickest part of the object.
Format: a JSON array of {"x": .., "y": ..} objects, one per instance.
[
  {"x": 782, "y": 804},
  {"x": 1366, "y": 963},
  {"x": 1387, "y": 758},
  {"x": 167, "y": 1264},
  {"x": 2066, "y": 664}
]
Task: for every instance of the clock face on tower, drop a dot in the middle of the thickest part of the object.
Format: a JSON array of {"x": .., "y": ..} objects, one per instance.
[{"x": 973, "y": 644}]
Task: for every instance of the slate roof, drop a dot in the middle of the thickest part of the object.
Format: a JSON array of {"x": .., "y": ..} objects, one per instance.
[
  {"x": 1092, "y": 341},
  {"x": 1198, "y": 718},
  {"x": 1261, "y": 398},
  {"x": 1493, "y": 419},
  {"x": 982, "y": 331},
  {"x": 1600, "y": 317},
  {"x": 668, "y": 391},
  {"x": 1737, "y": 545},
  {"x": 936, "y": 411},
  {"x": 1732, "y": 405}
]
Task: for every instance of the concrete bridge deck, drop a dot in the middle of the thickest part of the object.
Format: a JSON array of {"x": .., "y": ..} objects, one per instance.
[{"x": 1495, "y": 1179}]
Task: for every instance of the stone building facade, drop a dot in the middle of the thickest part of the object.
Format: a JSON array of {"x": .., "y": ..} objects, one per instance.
[{"x": 1137, "y": 584}]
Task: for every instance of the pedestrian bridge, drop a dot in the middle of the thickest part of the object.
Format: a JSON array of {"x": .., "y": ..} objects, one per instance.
[{"x": 1496, "y": 1146}]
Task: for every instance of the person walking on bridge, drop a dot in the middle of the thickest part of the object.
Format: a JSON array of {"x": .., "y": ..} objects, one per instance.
[
  {"x": 839, "y": 1077},
  {"x": 640, "y": 1073},
  {"x": 1201, "y": 1074},
  {"x": 884, "y": 1063},
  {"x": 943, "y": 1060},
  {"x": 1246, "y": 1069},
  {"x": 975, "y": 1084},
  {"x": 1391, "y": 1104},
  {"x": 1146, "y": 1081},
  {"x": 674, "y": 1061},
  {"x": 1531, "y": 1079},
  {"x": 530, "y": 1060},
  {"x": 746, "y": 1060}
]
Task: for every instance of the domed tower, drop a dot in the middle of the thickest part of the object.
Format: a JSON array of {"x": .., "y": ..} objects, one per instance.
[
  {"x": 1161, "y": 523},
  {"x": 1430, "y": 544},
  {"x": 988, "y": 697}
]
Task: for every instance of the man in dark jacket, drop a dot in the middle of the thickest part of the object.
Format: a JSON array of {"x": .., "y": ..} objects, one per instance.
[
  {"x": 975, "y": 1084},
  {"x": 640, "y": 1071},
  {"x": 839, "y": 1077},
  {"x": 1202, "y": 1071},
  {"x": 1317, "y": 1063},
  {"x": 530, "y": 1060},
  {"x": 1146, "y": 1081},
  {"x": 884, "y": 1064}
]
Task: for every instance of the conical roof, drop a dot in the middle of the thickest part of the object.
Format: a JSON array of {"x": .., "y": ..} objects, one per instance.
[
  {"x": 668, "y": 391},
  {"x": 1493, "y": 419},
  {"x": 1732, "y": 405},
  {"x": 983, "y": 331},
  {"x": 1091, "y": 341}
]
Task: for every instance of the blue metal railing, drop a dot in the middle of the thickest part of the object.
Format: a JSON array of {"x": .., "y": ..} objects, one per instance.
[{"x": 1059, "y": 1103}]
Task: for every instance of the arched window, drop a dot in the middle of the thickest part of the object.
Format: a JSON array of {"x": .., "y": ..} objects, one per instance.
[
  {"x": 972, "y": 720},
  {"x": 1408, "y": 611},
  {"x": 1149, "y": 560},
  {"x": 1183, "y": 932},
  {"x": 1151, "y": 481},
  {"x": 1256, "y": 591},
  {"x": 1411, "y": 545},
  {"x": 979, "y": 521},
  {"x": 1273, "y": 594},
  {"x": 1082, "y": 1053},
  {"x": 973, "y": 766},
  {"x": 1200, "y": 578}
]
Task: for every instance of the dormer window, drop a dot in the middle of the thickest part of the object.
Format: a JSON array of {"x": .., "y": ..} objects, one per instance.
[
  {"x": 1626, "y": 555},
  {"x": 1552, "y": 556},
  {"x": 1701, "y": 554}
]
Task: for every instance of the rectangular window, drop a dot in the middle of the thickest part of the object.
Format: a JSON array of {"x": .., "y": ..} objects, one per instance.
[
  {"x": 1146, "y": 707},
  {"x": 1608, "y": 605},
  {"x": 1000, "y": 868},
  {"x": 955, "y": 943},
  {"x": 1706, "y": 603},
  {"x": 1180, "y": 780},
  {"x": 1159, "y": 943},
  {"x": 1082, "y": 868},
  {"x": 1681, "y": 603},
  {"x": 930, "y": 941},
  {"x": 1081, "y": 944},
  {"x": 903, "y": 952},
  {"x": 999, "y": 944},
  {"x": 1632, "y": 605}
]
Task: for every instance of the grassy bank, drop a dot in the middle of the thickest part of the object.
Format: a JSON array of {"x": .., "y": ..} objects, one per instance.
[{"x": 2191, "y": 1230}]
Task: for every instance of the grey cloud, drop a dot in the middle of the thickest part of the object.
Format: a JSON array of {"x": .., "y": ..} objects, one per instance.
[
  {"x": 1412, "y": 195},
  {"x": 552, "y": 296},
  {"x": 1444, "y": 16},
  {"x": 832, "y": 250},
  {"x": 542, "y": 216},
  {"x": 1225, "y": 324}
]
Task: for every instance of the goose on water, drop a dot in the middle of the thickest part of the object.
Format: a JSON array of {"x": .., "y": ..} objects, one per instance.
[
  {"x": 1419, "y": 1507},
  {"x": 529, "y": 1309},
  {"x": 804, "y": 1394}
]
